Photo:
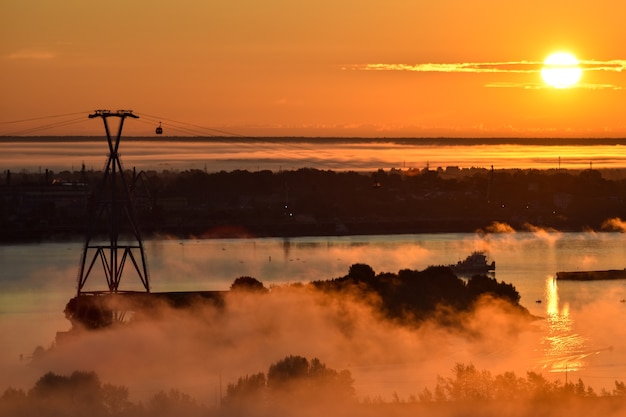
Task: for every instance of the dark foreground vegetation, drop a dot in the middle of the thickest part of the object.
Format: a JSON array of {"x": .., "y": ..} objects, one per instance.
[
  {"x": 408, "y": 297},
  {"x": 315, "y": 202},
  {"x": 411, "y": 297},
  {"x": 295, "y": 386},
  {"x": 298, "y": 386}
]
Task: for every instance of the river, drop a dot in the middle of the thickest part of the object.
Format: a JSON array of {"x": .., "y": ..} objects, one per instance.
[{"x": 580, "y": 333}]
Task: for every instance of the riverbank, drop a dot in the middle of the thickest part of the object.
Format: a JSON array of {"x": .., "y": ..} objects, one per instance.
[{"x": 310, "y": 202}]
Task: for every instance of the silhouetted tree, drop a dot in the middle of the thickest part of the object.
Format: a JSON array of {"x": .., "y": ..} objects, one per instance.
[
  {"x": 361, "y": 272},
  {"x": 174, "y": 403},
  {"x": 78, "y": 394},
  {"x": 247, "y": 389},
  {"x": 470, "y": 384},
  {"x": 412, "y": 296},
  {"x": 286, "y": 371},
  {"x": 482, "y": 284},
  {"x": 14, "y": 402},
  {"x": 248, "y": 284},
  {"x": 292, "y": 381},
  {"x": 116, "y": 400},
  {"x": 80, "y": 386},
  {"x": 294, "y": 375}
]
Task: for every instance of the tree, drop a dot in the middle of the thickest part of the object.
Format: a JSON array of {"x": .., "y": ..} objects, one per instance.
[
  {"x": 482, "y": 284},
  {"x": 287, "y": 371},
  {"x": 361, "y": 272},
  {"x": 291, "y": 380},
  {"x": 469, "y": 384},
  {"x": 248, "y": 389},
  {"x": 296, "y": 377},
  {"x": 174, "y": 403},
  {"x": 78, "y": 394},
  {"x": 81, "y": 387},
  {"x": 13, "y": 403},
  {"x": 115, "y": 399},
  {"x": 248, "y": 284}
]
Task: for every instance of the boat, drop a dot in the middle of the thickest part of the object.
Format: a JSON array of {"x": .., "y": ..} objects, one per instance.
[
  {"x": 475, "y": 263},
  {"x": 608, "y": 274}
]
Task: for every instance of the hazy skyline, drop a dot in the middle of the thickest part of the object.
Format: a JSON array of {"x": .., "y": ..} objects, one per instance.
[{"x": 284, "y": 68}]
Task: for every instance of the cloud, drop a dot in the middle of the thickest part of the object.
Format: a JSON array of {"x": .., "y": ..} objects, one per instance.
[
  {"x": 514, "y": 67},
  {"x": 498, "y": 227},
  {"x": 31, "y": 54},
  {"x": 614, "y": 225},
  {"x": 473, "y": 67},
  {"x": 506, "y": 67},
  {"x": 616, "y": 65}
]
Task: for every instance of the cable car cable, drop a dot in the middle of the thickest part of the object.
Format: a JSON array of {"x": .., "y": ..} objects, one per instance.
[
  {"x": 41, "y": 118},
  {"x": 47, "y": 127},
  {"x": 248, "y": 140}
]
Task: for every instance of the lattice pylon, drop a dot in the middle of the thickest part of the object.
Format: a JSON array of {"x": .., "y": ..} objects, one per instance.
[{"x": 113, "y": 207}]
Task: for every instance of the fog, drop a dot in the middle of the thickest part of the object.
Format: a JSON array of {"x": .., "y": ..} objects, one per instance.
[
  {"x": 193, "y": 349},
  {"x": 202, "y": 349},
  {"x": 254, "y": 154},
  {"x": 614, "y": 224}
]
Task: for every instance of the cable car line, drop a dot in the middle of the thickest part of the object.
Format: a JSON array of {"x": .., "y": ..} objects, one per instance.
[
  {"x": 248, "y": 139},
  {"x": 222, "y": 132},
  {"x": 275, "y": 146},
  {"x": 185, "y": 131},
  {"x": 41, "y": 118},
  {"x": 47, "y": 127}
]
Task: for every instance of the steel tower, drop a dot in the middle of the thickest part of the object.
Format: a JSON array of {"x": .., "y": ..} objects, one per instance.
[{"x": 112, "y": 214}]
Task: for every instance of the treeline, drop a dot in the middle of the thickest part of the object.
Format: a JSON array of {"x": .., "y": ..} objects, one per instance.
[
  {"x": 409, "y": 296},
  {"x": 470, "y": 384},
  {"x": 319, "y": 202},
  {"x": 291, "y": 382},
  {"x": 297, "y": 386},
  {"x": 83, "y": 394},
  {"x": 412, "y": 296}
]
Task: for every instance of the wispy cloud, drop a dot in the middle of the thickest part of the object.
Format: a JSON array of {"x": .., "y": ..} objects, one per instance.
[
  {"x": 511, "y": 67},
  {"x": 474, "y": 67},
  {"x": 615, "y": 65},
  {"x": 31, "y": 54}
]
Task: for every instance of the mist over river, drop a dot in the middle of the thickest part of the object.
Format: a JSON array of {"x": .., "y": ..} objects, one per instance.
[
  {"x": 581, "y": 333},
  {"x": 35, "y": 154}
]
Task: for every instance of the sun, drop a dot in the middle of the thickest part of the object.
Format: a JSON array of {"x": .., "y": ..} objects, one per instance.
[{"x": 561, "y": 70}]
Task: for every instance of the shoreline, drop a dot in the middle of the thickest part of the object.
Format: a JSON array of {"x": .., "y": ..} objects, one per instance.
[{"x": 446, "y": 141}]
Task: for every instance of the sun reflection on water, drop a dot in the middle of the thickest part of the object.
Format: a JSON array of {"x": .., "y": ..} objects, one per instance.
[{"x": 563, "y": 349}]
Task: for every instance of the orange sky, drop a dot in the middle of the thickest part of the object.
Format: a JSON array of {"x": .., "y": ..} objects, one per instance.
[{"x": 280, "y": 67}]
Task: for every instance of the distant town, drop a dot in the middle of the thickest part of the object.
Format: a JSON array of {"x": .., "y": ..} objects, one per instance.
[{"x": 306, "y": 202}]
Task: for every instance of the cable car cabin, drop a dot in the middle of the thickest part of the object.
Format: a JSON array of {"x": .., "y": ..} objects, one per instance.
[{"x": 159, "y": 129}]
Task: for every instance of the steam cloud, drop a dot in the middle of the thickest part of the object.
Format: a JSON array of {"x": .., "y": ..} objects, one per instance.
[{"x": 614, "y": 225}]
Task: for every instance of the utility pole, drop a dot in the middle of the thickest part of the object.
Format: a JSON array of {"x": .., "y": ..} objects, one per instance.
[{"x": 112, "y": 207}]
